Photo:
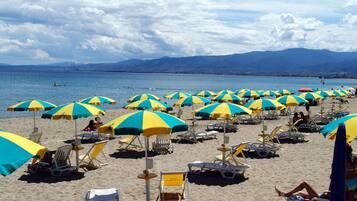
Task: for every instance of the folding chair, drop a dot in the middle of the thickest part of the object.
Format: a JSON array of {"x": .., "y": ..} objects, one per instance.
[{"x": 173, "y": 180}]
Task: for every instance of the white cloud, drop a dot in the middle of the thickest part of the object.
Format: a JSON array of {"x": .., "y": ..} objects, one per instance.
[{"x": 111, "y": 30}]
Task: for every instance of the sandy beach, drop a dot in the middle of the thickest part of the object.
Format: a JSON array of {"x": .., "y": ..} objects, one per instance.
[{"x": 308, "y": 161}]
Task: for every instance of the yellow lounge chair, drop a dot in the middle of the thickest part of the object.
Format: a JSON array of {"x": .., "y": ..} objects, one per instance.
[
  {"x": 231, "y": 157},
  {"x": 129, "y": 141},
  {"x": 175, "y": 181},
  {"x": 90, "y": 158},
  {"x": 273, "y": 135}
]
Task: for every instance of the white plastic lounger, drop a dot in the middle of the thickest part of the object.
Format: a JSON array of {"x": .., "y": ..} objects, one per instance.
[
  {"x": 110, "y": 194},
  {"x": 226, "y": 169},
  {"x": 293, "y": 136},
  {"x": 263, "y": 149},
  {"x": 207, "y": 135}
]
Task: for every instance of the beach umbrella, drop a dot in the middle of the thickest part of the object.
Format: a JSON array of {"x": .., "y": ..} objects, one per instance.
[
  {"x": 16, "y": 151},
  {"x": 205, "y": 93},
  {"x": 284, "y": 92},
  {"x": 338, "y": 93},
  {"x": 291, "y": 100},
  {"x": 191, "y": 100},
  {"x": 98, "y": 100},
  {"x": 73, "y": 111},
  {"x": 249, "y": 94},
  {"x": 310, "y": 96},
  {"x": 143, "y": 97},
  {"x": 307, "y": 89},
  {"x": 32, "y": 105},
  {"x": 264, "y": 104},
  {"x": 146, "y": 123},
  {"x": 225, "y": 91},
  {"x": 177, "y": 95},
  {"x": 227, "y": 98},
  {"x": 325, "y": 94},
  {"x": 271, "y": 93},
  {"x": 148, "y": 104},
  {"x": 240, "y": 91},
  {"x": 338, "y": 167},
  {"x": 222, "y": 110},
  {"x": 350, "y": 122}
]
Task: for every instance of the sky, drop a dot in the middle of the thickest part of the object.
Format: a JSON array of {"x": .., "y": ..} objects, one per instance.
[{"x": 93, "y": 31}]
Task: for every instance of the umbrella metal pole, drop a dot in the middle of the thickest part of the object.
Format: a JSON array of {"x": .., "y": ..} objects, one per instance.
[
  {"x": 34, "y": 121},
  {"x": 76, "y": 144},
  {"x": 224, "y": 142},
  {"x": 147, "y": 181}
]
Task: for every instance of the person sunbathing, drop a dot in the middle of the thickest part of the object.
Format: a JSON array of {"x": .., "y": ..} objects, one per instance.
[
  {"x": 91, "y": 126},
  {"x": 298, "y": 194}
]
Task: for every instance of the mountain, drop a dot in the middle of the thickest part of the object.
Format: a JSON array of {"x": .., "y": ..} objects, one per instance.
[{"x": 297, "y": 61}]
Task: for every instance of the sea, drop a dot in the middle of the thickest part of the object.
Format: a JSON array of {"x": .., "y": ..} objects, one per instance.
[{"x": 74, "y": 86}]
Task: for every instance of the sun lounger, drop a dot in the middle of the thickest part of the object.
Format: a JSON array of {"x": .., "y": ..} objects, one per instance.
[
  {"x": 291, "y": 133},
  {"x": 272, "y": 115},
  {"x": 110, "y": 194},
  {"x": 230, "y": 128},
  {"x": 59, "y": 165},
  {"x": 35, "y": 137},
  {"x": 227, "y": 170},
  {"x": 253, "y": 119},
  {"x": 272, "y": 136},
  {"x": 190, "y": 136},
  {"x": 237, "y": 150},
  {"x": 128, "y": 141},
  {"x": 262, "y": 149},
  {"x": 90, "y": 158},
  {"x": 92, "y": 135},
  {"x": 176, "y": 181},
  {"x": 309, "y": 127},
  {"x": 163, "y": 144}
]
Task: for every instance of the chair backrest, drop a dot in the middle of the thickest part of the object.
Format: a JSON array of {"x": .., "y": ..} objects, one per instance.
[
  {"x": 35, "y": 137},
  {"x": 96, "y": 149},
  {"x": 61, "y": 157},
  {"x": 128, "y": 138},
  {"x": 240, "y": 149},
  {"x": 175, "y": 180},
  {"x": 163, "y": 139}
]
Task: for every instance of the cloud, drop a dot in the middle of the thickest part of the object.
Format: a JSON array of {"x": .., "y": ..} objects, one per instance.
[{"x": 111, "y": 30}]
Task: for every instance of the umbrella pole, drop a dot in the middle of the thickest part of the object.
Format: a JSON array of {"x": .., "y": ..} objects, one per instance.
[
  {"x": 34, "y": 121},
  {"x": 224, "y": 142},
  {"x": 147, "y": 181},
  {"x": 76, "y": 144}
]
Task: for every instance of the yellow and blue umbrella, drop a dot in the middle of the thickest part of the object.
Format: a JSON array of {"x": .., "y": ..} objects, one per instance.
[
  {"x": 325, "y": 94},
  {"x": 148, "y": 104},
  {"x": 144, "y": 122},
  {"x": 344, "y": 91},
  {"x": 240, "y": 91},
  {"x": 284, "y": 92},
  {"x": 205, "y": 93},
  {"x": 191, "y": 100},
  {"x": 225, "y": 91},
  {"x": 291, "y": 100},
  {"x": 148, "y": 124},
  {"x": 249, "y": 94},
  {"x": 32, "y": 105},
  {"x": 177, "y": 95},
  {"x": 73, "y": 111},
  {"x": 143, "y": 97},
  {"x": 222, "y": 110},
  {"x": 264, "y": 104},
  {"x": 350, "y": 121},
  {"x": 16, "y": 151},
  {"x": 271, "y": 93},
  {"x": 227, "y": 98},
  {"x": 338, "y": 93},
  {"x": 97, "y": 100},
  {"x": 310, "y": 96}
]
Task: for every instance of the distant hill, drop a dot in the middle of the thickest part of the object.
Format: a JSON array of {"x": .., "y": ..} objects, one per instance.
[{"x": 297, "y": 61}]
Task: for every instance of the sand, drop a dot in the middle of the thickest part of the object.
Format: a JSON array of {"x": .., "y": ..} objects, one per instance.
[{"x": 308, "y": 161}]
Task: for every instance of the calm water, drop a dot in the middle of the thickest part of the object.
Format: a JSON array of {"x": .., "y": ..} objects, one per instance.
[{"x": 17, "y": 86}]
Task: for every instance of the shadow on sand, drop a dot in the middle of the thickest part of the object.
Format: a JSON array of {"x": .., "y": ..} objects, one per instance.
[
  {"x": 48, "y": 178},
  {"x": 132, "y": 154},
  {"x": 254, "y": 155},
  {"x": 213, "y": 178}
]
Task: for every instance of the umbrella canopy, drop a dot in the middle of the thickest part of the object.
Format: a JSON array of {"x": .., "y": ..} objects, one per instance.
[
  {"x": 325, "y": 94},
  {"x": 144, "y": 122},
  {"x": 291, "y": 100},
  {"x": 271, "y": 93},
  {"x": 191, "y": 100},
  {"x": 338, "y": 93},
  {"x": 350, "y": 122},
  {"x": 143, "y": 97},
  {"x": 148, "y": 104},
  {"x": 205, "y": 93},
  {"x": 240, "y": 91},
  {"x": 264, "y": 104},
  {"x": 31, "y": 105},
  {"x": 227, "y": 98},
  {"x": 97, "y": 100},
  {"x": 344, "y": 91},
  {"x": 225, "y": 91},
  {"x": 249, "y": 94},
  {"x": 16, "y": 151},
  {"x": 338, "y": 168},
  {"x": 310, "y": 96},
  {"x": 177, "y": 95},
  {"x": 73, "y": 111},
  {"x": 307, "y": 89},
  {"x": 284, "y": 92},
  {"x": 222, "y": 110}
]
